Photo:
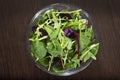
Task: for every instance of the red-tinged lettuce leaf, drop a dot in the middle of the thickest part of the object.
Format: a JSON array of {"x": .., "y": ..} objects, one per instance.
[{"x": 68, "y": 32}]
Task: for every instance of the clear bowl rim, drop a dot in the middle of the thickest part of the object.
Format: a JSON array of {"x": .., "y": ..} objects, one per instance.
[{"x": 67, "y": 72}]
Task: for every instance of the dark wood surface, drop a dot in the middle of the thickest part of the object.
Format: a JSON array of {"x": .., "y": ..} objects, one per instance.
[{"x": 15, "y": 16}]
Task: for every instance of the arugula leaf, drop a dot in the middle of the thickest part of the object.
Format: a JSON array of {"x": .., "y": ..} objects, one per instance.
[
  {"x": 37, "y": 21},
  {"x": 92, "y": 55},
  {"x": 54, "y": 48},
  {"x": 95, "y": 49},
  {"x": 55, "y": 19},
  {"x": 86, "y": 38},
  {"x": 57, "y": 24},
  {"x": 86, "y": 54},
  {"x": 49, "y": 30},
  {"x": 54, "y": 34},
  {"x": 76, "y": 60}
]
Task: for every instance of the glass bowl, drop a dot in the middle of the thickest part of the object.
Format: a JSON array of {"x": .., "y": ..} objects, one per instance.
[{"x": 60, "y": 6}]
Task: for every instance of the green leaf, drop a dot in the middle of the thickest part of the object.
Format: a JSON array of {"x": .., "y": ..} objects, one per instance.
[
  {"x": 44, "y": 61},
  {"x": 55, "y": 19},
  {"x": 62, "y": 39},
  {"x": 54, "y": 34},
  {"x": 38, "y": 48},
  {"x": 89, "y": 33},
  {"x": 92, "y": 56},
  {"x": 70, "y": 43},
  {"x": 42, "y": 38},
  {"x": 50, "y": 62},
  {"x": 37, "y": 21},
  {"x": 86, "y": 38},
  {"x": 49, "y": 30},
  {"x": 71, "y": 65},
  {"x": 76, "y": 14},
  {"x": 87, "y": 56},
  {"x": 54, "y": 48},
  {"x": 95, "y": 49},
  {"x": 57, "y": 67},
  {"x": 76, "y": 60},
  {"x": 84, "y": 42},
  {"x": 87, "y": 53}
]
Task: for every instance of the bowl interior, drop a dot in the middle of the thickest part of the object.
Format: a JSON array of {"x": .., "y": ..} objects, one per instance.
[{"x": 59, "y": 6}]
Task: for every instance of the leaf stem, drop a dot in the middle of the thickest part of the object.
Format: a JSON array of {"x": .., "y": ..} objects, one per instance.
[
  {"x": 50, "y": 63},
  {"x": 78, "y": 42},
  {"x": 65, "y": 58},
  {"x": 62, "y": 62}
]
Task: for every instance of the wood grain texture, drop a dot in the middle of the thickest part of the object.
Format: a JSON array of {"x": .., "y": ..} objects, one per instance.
[{"x": 15, "y": 16}]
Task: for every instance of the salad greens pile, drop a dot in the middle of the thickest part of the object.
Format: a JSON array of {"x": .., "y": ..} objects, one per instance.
[{"x": 62, "y": 40}]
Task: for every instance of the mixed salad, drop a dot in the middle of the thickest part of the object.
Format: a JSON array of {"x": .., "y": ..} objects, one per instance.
[{"x": 61, "y": 40}]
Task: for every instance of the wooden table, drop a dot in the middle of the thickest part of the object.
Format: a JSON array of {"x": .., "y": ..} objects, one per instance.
[{"x": 15, "y": 16}]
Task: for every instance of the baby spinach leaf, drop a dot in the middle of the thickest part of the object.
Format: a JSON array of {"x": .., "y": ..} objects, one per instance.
[
  {"x": 38, "y": 48},
  {"x": 57, "y": 67},
  {"x": 71, "y": 65},
  {"x": 44, "y": 61}
]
